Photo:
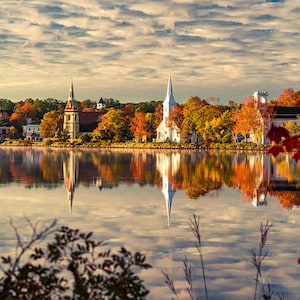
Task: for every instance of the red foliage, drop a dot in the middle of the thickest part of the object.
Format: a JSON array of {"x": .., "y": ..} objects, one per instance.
[
  {"x": 277, "y": 133},
  {"x": 291, "y": 143},
  {"x": 296, "y": 156},
  {"x": 275, "y": 150},
  {"x": 283, "y": 141}
]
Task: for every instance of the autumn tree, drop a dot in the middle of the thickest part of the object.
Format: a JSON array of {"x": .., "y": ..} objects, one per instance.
[
  {"x": 18, "y": 119},
  {"x": 139, "y": 126},
  {"x": 248, "y": 120},
  {"x": 113, "y": 126},
  {"x": 129, "y": 110},
  {"x": 151, "y": 128},
  {"x": 176, "y": 116},
  {"x": 205, "y": 115},
  {"x": 219, "y": 127},
  {"x": 158, "y": 114},
  {"x": 13, "y": 133},
  {"x": 288, "y": 97},
  {"x": 28, "y": 110},
  {"x": 51, "y": 123},
  {"x": 191, "y": 115}
]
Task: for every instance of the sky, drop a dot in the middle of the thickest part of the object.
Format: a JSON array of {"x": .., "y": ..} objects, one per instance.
[{"x": 127, "y": 49}]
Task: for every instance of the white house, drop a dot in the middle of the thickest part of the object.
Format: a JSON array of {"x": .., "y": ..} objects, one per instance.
[
  {"x": 32, "y": 132},
  {"x": 165, "y": 132}
]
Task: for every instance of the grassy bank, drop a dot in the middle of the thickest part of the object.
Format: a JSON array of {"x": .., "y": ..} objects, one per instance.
[{"x": 136, "y": 145}]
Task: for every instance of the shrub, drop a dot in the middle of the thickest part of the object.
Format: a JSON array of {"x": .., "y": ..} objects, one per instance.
[
  {"x": 70, "y": 267},
  {"x": 48, "y": 142}
]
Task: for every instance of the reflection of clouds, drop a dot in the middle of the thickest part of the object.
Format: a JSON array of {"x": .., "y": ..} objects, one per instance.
[
  {"x": 229, "y": 228},
  {"x": 253, "y": 44}
]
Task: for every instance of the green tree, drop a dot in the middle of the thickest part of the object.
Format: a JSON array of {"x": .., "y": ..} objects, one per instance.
[
  {"x": 47, "y": 105},
  {"x": 62, "y": 135},
  {"x": 6, "y": 104}
]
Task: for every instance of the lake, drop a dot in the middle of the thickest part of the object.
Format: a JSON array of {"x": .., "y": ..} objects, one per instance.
[{"x": 144, "y": 200}]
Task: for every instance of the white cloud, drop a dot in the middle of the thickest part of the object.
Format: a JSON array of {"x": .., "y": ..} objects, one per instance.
[{"x": 104, "y": 43}]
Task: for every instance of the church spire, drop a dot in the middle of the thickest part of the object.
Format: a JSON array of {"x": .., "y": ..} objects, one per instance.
[
  {"x": 71, "y": 97},
  {"x": 170, "y": 89},
  {"x": 170, "y": 98}
]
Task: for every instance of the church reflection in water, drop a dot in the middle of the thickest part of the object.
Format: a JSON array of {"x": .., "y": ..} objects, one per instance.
[
  {"x": 258, "y": 176},
  {"x": 70, "y": 173}
]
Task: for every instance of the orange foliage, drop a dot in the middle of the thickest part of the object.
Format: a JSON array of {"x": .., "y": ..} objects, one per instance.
[
  {"x": 28, "y": 109},
  {"x": 288, "y": 98},
  {"x": 243, "y": 176},
  {"x": 247, "y": 119},
  {"x": 18, "y": 118},
  {"x": 139, "y": 126},
  {"x": 288, "y": 199},
  {"x": 176, "y": 116}
]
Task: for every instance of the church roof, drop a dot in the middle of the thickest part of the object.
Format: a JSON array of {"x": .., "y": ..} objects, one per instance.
[
  {"x": 88, "y": 121},
  {"x": 70, "y": 106},
  {"x": 169, "y": 97},
  {"x": 286, "y": 112}
]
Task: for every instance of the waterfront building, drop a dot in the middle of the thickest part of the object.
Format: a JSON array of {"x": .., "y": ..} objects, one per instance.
[{"x": 75, "y": 122}]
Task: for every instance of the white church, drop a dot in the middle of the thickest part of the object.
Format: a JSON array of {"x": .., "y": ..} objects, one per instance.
[{"x": 165, "y": 132}]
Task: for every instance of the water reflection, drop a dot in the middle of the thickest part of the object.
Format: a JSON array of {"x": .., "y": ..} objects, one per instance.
[
  {"x": 144, "y": 199},
  {"x": 257, "y": 175}
]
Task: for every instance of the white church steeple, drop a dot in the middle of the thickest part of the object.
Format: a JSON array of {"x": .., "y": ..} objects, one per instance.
[
  {"x": 166, "y": 131},
  {"x": 71, "y": 115},
  {"x": 169, "y": 102}
]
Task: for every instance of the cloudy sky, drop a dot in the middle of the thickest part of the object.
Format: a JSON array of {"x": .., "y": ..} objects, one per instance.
[{"x": 126, "y": 49}]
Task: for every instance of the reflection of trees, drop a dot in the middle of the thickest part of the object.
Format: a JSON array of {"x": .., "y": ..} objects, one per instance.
[
  {"x": 203, "y": 172},
  {"x": 142, "y": 168},
  {"x": 197, "y": 172},
  {"x": 5, "y": 173},
  {"x": 113, "y": 167},
  {"x": 51, "y": 166},
  {"x": 28, "y": 167},
  {"x": 243, "y": 177},
  {"x": 24, "y": 167},
  {"x": 287, "y": 199}
]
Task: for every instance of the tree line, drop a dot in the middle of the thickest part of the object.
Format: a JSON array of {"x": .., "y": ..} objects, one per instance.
[{"x": 126, "y": 121}]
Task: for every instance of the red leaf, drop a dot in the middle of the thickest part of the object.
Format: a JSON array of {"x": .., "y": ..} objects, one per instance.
[
  {"x": 296, "y": 156},
  {"x": 291, "y": 143},
  {"x": 277, "y": 133},
  {"x": 275, "y": 150}
]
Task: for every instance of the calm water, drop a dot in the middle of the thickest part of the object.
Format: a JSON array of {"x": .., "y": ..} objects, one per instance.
[{"x": 144, "y": 199}]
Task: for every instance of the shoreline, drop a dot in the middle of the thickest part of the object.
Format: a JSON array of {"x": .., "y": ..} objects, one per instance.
[{"x": 241, "y": 146}]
